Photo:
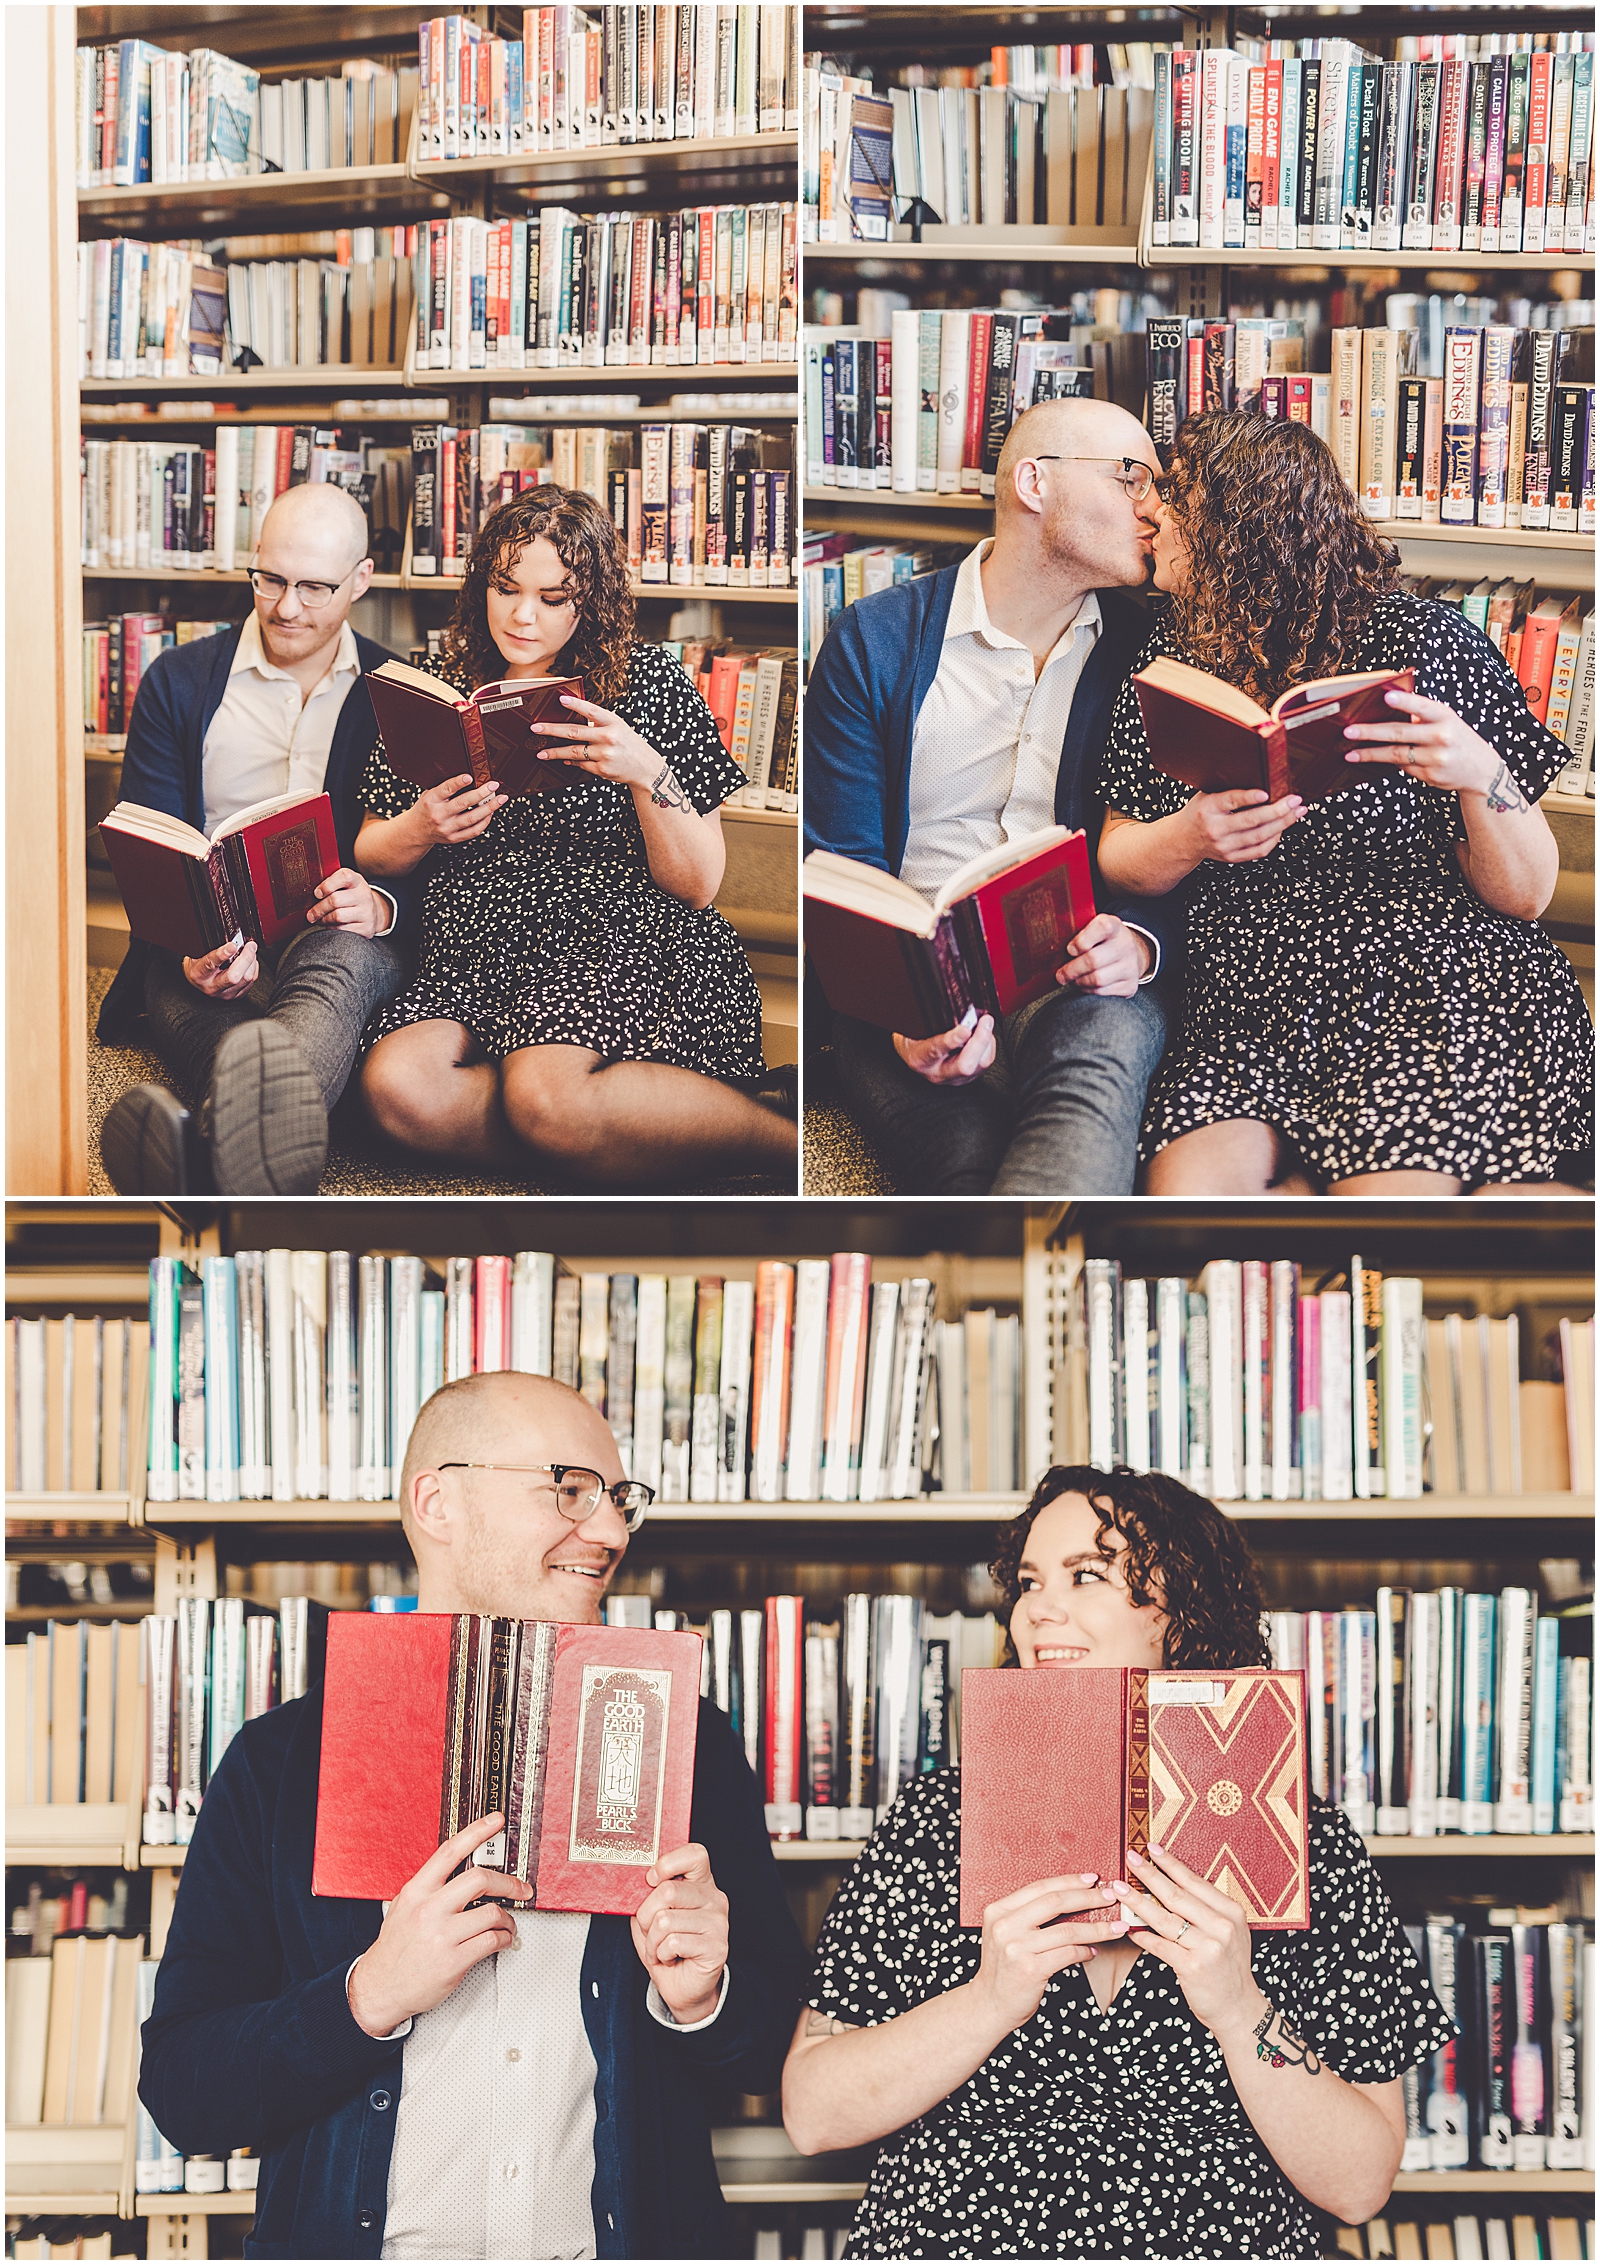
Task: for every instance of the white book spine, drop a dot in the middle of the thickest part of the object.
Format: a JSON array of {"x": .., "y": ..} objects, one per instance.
[
  {"x": 882, "y": 1341},
  {"x": 738, "y": 1330},
  {"x": 1136, "y": 1375},
  {"x": 649, "y": 1379}
]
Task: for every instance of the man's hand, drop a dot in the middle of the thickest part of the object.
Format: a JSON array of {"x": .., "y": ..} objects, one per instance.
[
  {"x": 457, "y": 810},
  {"x": 344, "y": 900},
  {"x": 226, "y": 973},
  {"x": 1239, "y": 826},
  {"x": 429, "y": 1940},
  {"x": 681, "y": 1932},
  {"x": 1107, "y": 957},
  {"x": 954, "y": 1057}
]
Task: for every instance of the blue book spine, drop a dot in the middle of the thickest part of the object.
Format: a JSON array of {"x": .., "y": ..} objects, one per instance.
[
  {"x": 432, "y": 1341},
  {"x": 1350, "y": 235},
  {"x": 114, "y": 312},
  {"x": 1234, "y": 154},
  {"x": 513, "y": 95},
  {"x": 830, "y": 381},
  {"x": 1477, "y": 1714},
  {"x": 131, "y": 70},
  {"x": 1289, "y": 154},
  {"x": 1546, "y": 1711},
  {"x": 832, "y": 592}
]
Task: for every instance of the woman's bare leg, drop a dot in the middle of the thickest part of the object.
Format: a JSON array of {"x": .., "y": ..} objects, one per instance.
[
  {"x": 1239, "y": 1156},
  {"x": 638, "y": 1123},
  {"x": 1397, "y": 1183},
  {"x": 431, "y": 1091},
  {"x": 1541, "y": 1191}
]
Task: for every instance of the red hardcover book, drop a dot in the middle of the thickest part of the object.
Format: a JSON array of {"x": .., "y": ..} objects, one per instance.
[
  {"x": 991, "y": 939},
  {"x": 1212, "y": 736},
  {"x": 431, "y": 732},
  {"x": 254, "y": 876},
  {"x": 583, "y": 1736},
  {"x": 785, "y": 1637},
  {"x": 1065, "y": 1770}
]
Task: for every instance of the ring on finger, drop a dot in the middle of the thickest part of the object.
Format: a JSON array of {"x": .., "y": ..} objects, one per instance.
[{"x": 1183, "y": 1928}]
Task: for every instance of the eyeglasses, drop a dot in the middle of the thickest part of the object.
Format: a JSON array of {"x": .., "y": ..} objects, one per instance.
[
  {"x": 313, "y": 596},
  {"x": 578, "y": 1491},
  {"x": 1135, "y": 476}
]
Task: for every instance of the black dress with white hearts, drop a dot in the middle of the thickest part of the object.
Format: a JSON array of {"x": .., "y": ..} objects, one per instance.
[
  {"x": 1116, "y": 2134},
  {"x": 548, "y": 930},
  {"x": 1349, "y": 988}
]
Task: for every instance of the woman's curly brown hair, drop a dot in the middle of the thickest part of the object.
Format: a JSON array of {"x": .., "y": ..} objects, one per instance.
[
  {"x": 1283, "y": 568},
  {"x": 1183, "y": 1556},
  {"x": 586, "y": 543}
]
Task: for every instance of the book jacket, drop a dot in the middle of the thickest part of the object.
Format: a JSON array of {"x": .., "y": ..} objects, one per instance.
[
  {"x": 1064, "y": 1771},
  {"x": 582, "y": 1737}
]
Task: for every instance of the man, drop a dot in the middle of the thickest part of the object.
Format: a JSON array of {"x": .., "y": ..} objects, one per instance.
[
  {"x": 268, "y": 1040},
  {"x": 427, "y": 2080},
  {"x": 968, "y": 708}
]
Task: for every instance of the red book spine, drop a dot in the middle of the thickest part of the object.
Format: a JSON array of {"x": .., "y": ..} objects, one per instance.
[
  {"x": 285, "y": 463},
  {"x": 977, "y": 387},
  {"x": 1536, "y": 168},
  {"x": 493, "y": 1309},
  {"x": 706, "y": 286},
  {"x": 844, "y": 1393},
  {"x": 1137, "y": 1835},
  {"x": 785, "y": 1635},
  {"x": 447, "y": 503}
]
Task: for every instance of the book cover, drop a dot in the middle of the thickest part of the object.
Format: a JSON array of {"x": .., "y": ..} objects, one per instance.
[
  {"x": 431, "y": 733},
  {"x": 255, "y": 876},
  {"x": 582, "y": 1736},
  {"x": 1063, "y": 1771},
  {"x": 1211, "y": 736}
]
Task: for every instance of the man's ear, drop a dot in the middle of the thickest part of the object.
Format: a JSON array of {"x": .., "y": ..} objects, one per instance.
[
  {"x": 430, "y": 1512},
  {"x": 363, "y": 580}
]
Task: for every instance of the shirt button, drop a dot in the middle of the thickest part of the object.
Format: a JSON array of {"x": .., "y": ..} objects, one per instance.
[
  {"x": 513, "y": 2170},
  {"x": 513, "y": 2052},
  {"x": 365, "y": 2221},
  {"x": 380, "y": 2100},
  {"x": 594, "y": 1988}
]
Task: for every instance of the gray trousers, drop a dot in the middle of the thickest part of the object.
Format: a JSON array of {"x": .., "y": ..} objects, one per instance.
[{"x": 321, "y": 987}]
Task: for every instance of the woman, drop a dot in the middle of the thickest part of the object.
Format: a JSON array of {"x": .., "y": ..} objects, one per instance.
[
  {"x": 1370, "y": 1006},
  {"x": 578, "y": 1001},
  {"x": 1063, "y": 2086}
]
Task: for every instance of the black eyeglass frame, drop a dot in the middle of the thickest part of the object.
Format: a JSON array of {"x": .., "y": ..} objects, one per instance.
[
  {"x": 277, "y": 587},
  {"x": 632, "y": 1515},
  {"x": 1130, "y": 465}
]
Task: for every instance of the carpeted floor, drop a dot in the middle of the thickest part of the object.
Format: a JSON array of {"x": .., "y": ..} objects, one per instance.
[
  {"x": 353, "y": 1167},
  {"x": 839, "y": 1159}
]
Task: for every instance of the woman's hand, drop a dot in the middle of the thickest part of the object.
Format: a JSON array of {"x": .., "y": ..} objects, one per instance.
[
  {"x": 951, "y": 1057},
  {"x": 1026, "y": 1939},
  {"x": 455, "y": 811},
  {"x": 599, "y": 742},
  {"x": 1106, "y": 957},
  {"x": 1431, "y": 744},
  {"x": 344, "y": 900},
  {"x": 1239, "y": 825},
  {"x": 1202, "y": 1934}
]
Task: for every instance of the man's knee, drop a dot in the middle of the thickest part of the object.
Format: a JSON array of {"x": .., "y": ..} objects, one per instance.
[{"x": 1119, "y": 1041}]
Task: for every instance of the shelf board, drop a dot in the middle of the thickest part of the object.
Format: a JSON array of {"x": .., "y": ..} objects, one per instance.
[
  {"x": 621, "y": 167},
  {"x": 1517, "y": 538},
  {"x": 1567, "y": 805},
  {"x": 955, "y": 1510},
  {"x": 971, "y": 244},
  {"x": 786, "y": 594},
  {"x": 1494, "y": 2182},
  {"x": 344, "y": 193},
  {"x": 764, "y": 2189},
  {"x": 195, "y": 2205},
  {"x": 59, "y": 2204},
  {"x": 69, "y": 1833},
  {"x": 343, "y": 379},
  {"x": 1454, "y": 263},
  {"x": 687, "y": 377},
  {"x": 202, "y": 574},
  {"x": 734, "y": 813},
  {"x": 897, "y": 500},
  {"x": 96, "y": 1509}
]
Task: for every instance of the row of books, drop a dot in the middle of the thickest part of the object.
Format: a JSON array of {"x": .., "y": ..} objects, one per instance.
[
  {"x": 836, "y": 569},
  {"x": 181, "y": 506},
  {"x": 40, "y": 1917},
  {"x": 304, "y": 309},
  {"x": 1441, "y": 1711},
  {"x": 145, "y": 113},
  {"x": 693, "y": 503},
  {"x": 586, "y": 79},
  {"x": 76, "y": 1389},
  {"x": 1465, "y": 143},
  {"x": 1248, "y": 1384},
  {"x": 116, "y": 655},
  {"x": 987, "y": 157},
  {"x": 72, "y": 2023},
  {"x": 1527, "y": 2234},
  {"x": 699, "y": 286},
  {"x": 1548, "y": 643},
  {"x": 1511, "y": 2093},
  {"x": 85, "y": 2244},
  {"x": 210, "y": 1666}
]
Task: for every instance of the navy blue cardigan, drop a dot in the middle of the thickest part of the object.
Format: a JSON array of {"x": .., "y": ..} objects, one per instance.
[
  {"x": 252, "y": 2042},
  {"x": 870, "y": 679},
  {"x": 162, "y": 768}
]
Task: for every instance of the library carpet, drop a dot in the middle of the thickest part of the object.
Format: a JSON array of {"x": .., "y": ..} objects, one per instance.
[
  {"x": 839, "y": 1158},
  {"x": 355, "y": 1166}
]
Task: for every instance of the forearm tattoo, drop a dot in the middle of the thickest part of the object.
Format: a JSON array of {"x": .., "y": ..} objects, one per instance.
[
  {"x": 825, "y": 2025},
  {"x": 666, "y": 793},
  {"x": 1281, "y": 2047},
  {"x": 1504, "y": 792}
]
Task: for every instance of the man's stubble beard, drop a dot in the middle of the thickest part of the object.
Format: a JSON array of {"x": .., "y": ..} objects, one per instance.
[{"x": 1057, "y": 540}]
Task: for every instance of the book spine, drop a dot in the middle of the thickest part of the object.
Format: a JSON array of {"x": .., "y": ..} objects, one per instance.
[
  {"x": 1422, "y": 1696},
  {"x": 1452, "y": 1707},
  {"x": 1137, "y": 1778},
  {"x": 1513, "y": 1809},
  {"x": 1392, "y": 1615},
  {"x": 784, "y": 1720},
  {"x": 1564, "y": 1947}
]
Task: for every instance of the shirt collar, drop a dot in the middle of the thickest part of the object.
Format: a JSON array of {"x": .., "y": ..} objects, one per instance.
[
  {"x": 252, "y": 654},
  {"x": 969, "y": 615}
]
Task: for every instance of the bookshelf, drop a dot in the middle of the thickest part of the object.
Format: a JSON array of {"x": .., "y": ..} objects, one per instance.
[
  {"x": 938, "y": 270},
  {"x": 1020, "y": 1256},
  {"x": 72, "y": 922}
]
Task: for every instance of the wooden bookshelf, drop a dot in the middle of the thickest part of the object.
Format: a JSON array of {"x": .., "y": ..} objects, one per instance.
[
  {"x": 364, "y": 196},
  {"x": 767, "y": 163}
]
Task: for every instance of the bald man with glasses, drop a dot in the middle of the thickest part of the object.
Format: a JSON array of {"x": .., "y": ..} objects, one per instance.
[
  {"x": 969, "y": 708},
  {"x": 440, "y": 2077},
  {"x": 266, "y": 1042}
]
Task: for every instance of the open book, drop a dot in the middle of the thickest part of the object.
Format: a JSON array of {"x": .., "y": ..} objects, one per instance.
[
  {"x": 992, "y": 938},
  {"x": 1212, "y": 736},
  {"x": 431, "y": 732},
  {"x": 254, "y": 876}
]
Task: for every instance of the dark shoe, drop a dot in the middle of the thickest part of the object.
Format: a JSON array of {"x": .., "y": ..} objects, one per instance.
[
  {"x": 779, "y": 1091},
  {"x": 149, "y": 1145},
  {"x": 264, "y": 1116}
]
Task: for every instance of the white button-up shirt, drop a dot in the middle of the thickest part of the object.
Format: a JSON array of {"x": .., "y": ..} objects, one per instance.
[
  {"x": 494, "y": 2127},
  {"x": 265, "y": 739},
  {"x": 986, "y": 746}
]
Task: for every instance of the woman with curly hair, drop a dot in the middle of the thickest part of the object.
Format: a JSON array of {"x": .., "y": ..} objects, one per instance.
[
  {"x": 1068, "y": 2083},
  {"x": 577, "y": 996},
  {"x": 1370, "y": 1006}
]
